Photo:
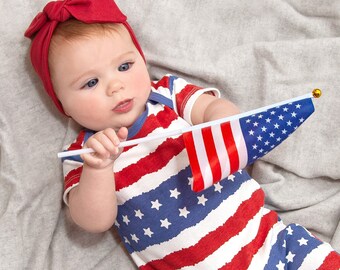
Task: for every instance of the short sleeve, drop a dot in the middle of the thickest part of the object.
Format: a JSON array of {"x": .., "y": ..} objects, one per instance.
[
  {"x": 186, "y": 94},
  {"x": 73, "y": 166}
]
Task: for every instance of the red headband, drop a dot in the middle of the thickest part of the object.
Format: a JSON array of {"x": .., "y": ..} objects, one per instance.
[{"x": 43, "y": 25}]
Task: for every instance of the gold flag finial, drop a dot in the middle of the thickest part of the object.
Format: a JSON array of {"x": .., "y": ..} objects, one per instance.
[{"x": 317, "y": 93}]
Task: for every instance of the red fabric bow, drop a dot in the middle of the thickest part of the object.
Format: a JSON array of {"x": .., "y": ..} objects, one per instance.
[{"x": 43, "y": 25}]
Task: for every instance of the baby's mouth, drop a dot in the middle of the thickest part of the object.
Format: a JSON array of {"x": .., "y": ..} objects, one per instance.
[{"x": 124, "y": 106}]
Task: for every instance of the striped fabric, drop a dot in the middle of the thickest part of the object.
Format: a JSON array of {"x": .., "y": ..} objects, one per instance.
[{"x": 165, "y": 225}]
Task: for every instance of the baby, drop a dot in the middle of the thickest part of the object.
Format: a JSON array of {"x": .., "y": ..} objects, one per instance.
[{"x": 93, "y": 68}]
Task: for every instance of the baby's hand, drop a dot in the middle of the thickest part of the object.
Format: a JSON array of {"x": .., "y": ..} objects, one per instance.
[{"x": 105, "y": 144}]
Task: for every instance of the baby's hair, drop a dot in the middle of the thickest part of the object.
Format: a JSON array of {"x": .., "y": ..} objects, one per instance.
[{"x": 73, "y": 30}]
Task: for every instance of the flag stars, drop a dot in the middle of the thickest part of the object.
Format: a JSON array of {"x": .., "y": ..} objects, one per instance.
[
  {"x": 231, "y": 177},
  {"x": 148, "y": 232},
  {"x": 174, "y": 193},
  {"x": 248, "y": 121},
  {"x": 276, "y": 126},
  {"x": 255, "y": 146},
  {"x": 218, "y": 187},
  {"x": 264, "y": 129},
  {"x": 190, "y": 181},
  {"x": 266, "y": 143},
  {"x": 251, "y": 132},
  {"x": 298, "y": 106},
  {"x": 202, "y": 200},
  {"x": 285, "y": 109},
  {"x": 259, "y": 138},
  {"x": 289, "y": 123},
  {"x": 183, "y": 212},
  {"x": 284, "y": 131},
  {"x": 293, "y": 114},
  {"x": 255, "y": 124},
  {"x": 155, "y": 204},
  {"x": 271, "y": 134},
  {"x": 302, "y": 242},
  {"x": 165, "y": 223},
  {"x": 134, "y": 238},
  {"x": 289, "y": 230},
  {"x": 273, "y": 112},
  {"x": 126, "y": 240},
  {"x": 139, "y": 214},
  {"x": 281, "y": 117},
  {"x": 290, "y": 257},
  {"x": 280, "y": 266},
  {"x": 268, "y": 120},
  {"x": 126, "y": 219},
  {"x": 301, "y": 120}
]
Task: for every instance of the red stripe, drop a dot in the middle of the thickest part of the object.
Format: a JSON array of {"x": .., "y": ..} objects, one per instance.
[
  {"x": 198, "y": 183},
  {"x": 72, "y": 177},
  {"x": 78, "y": 142},
  {"x": 183, "y": 96},
  {"x": 163, "y": 119},
  {"x": 331, "y": 262},
  {"x": 243, "y": 259},
  {"x": 210, "y": 149},
  {"x": 213, "y": 240},
  {"x": 229, "y": 143},
  {"x": 163, "y": 82},
  {"x": 150, "y": 163}
]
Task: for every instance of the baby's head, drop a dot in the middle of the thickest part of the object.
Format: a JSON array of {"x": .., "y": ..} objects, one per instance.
[{"x": 67, "y": 33}]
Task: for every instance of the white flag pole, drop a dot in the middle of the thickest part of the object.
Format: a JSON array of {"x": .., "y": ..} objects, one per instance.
[{"x": 315, "y": 94}]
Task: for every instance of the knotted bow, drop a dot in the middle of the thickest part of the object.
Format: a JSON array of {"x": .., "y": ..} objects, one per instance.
[{"x": 43, "y": 25}]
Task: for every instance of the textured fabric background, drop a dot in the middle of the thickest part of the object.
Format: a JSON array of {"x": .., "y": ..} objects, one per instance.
[{"x": 256, "y": 53}]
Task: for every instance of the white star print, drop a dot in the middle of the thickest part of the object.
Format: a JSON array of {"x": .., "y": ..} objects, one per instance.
[
  {"x": 165, "y": 223},
  {"x": 293, "y": 114},
  {"x": 303, "y": 242},
  {"x": 139, "y": 214},
  {"x": 284, "y": 243},
  {"x": 117, "y": 224},
  {"x": 259, "y": 138},
  {"x": 183, "y": 212},
  {"x": 285, "y": 109},
  {"x": 280, "y": 266},
  {"x": 298, "y": 106},
  {"x": 126, "y": 220},
  {"x": 301, "y": 120},
  {"x": 271, "y": 134},
  {"x": 174, "y": 193},
  {"x": 290, "y": 257},
  {"x": 276, "y": 125},
  {"x": 218, "y": 187},
  {"x": 156, "y": 204},
  {"x": 251, "y": 132},
  {"x": 264, "y": 129},
  {"x": 134, "y": 238},
  {"x": 248, "y": 121},
  {"x": 289, "y": 230},
  {"x": 190, "y": 181},
  {"x": 231, "y": 177},
  {"x": 281, "y": 117},
  {"x": 202, "y": 200},
  {"x": 268, "y": 120},
  {"x": 255, "y": 124},
  {"x": 126, "y": 240},
  {"x": 148, "y": 232},
  {"x": 289, "y": 123}
]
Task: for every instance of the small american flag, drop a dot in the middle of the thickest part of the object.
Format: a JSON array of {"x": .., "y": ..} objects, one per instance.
[{"x": 219, "y": 150}]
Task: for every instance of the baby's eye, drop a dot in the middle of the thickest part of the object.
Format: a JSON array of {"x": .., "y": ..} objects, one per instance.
[
  {"x": 125, "y": 67},
  {"x": 91, "y": 83}
]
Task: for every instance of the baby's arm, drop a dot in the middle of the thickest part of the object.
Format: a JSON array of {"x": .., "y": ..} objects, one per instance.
[
  {"x": 208, "y": 107},
  {"x": 93, "y": 203}
]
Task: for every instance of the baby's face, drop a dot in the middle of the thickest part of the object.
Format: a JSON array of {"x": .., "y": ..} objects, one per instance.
[{"x": 101, "y": 81}]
